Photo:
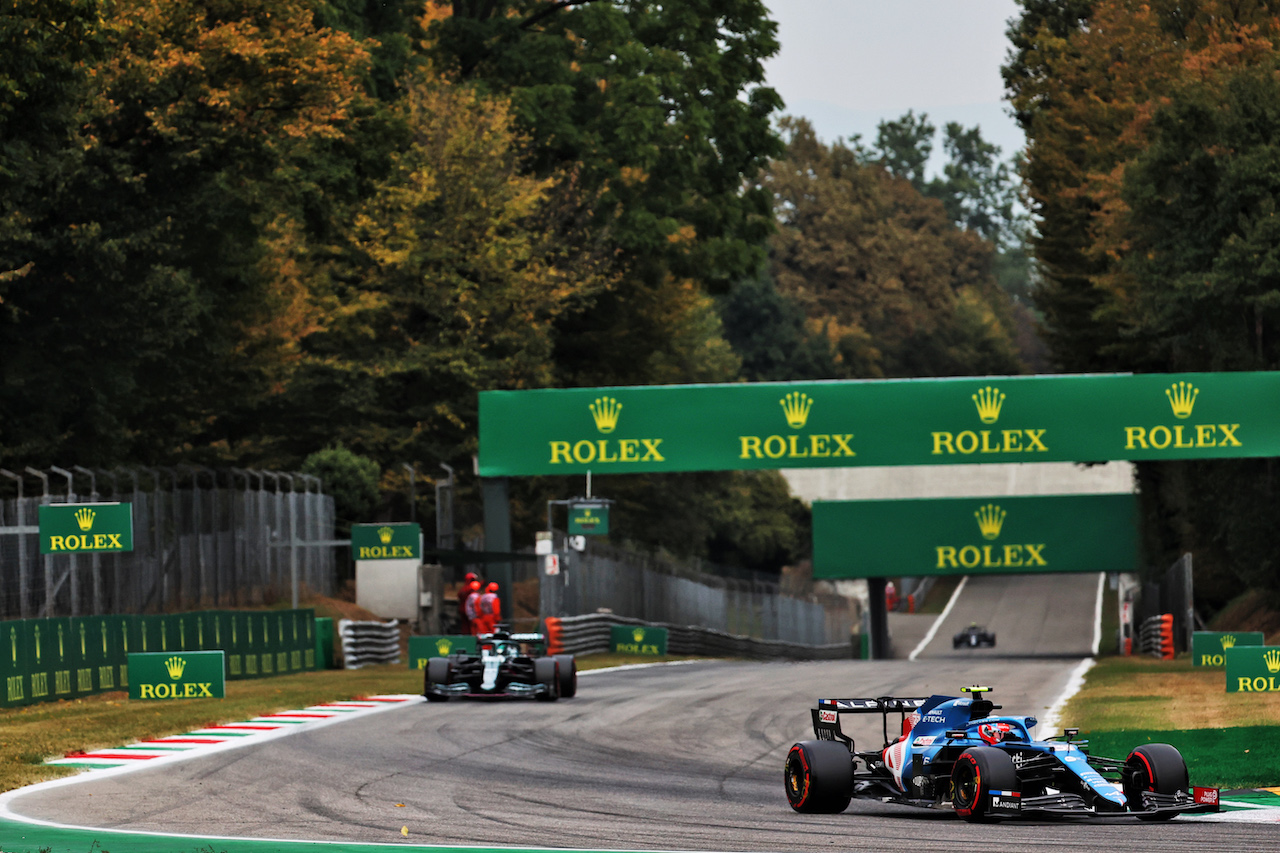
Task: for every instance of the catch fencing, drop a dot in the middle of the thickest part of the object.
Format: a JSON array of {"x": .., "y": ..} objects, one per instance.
[
  {"x": 201, "y": 538},
  {"x": 664, "y": 592}
]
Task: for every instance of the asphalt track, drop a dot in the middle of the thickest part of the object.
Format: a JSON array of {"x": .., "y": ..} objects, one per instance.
[{"x": 665, "y": 758}]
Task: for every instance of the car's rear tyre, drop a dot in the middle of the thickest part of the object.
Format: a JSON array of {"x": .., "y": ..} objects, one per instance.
[
  {"x": 568, "y": 676},
  {"x": 546, "y": 671},
  {"x": 437, "y": 672},
  {"x": 977, "y": 772},
  {"x": 818, "y": 777},
  {"x": 1154, "y": 767}
]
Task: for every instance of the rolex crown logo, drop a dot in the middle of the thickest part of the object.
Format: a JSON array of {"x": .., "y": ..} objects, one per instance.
[
  {"x": 1272, "y": 660},
  {"x": 638, "y": 635},
  {"x": 175, "y": 665},
  {"x": 990, "y": 520},
  {"x": 443, "y": 645},
  {"x": 84, "y": 518},
  {"x": 1182, "y": 397},
  {"x": 385, "y": 534},
  {"x": 989, "y": 400},
  {"x": 796, "y": 406},
  {"x": 1228, "y": 641},
  {"x": 605, "y": 411}
]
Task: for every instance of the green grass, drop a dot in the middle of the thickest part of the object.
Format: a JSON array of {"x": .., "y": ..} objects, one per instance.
[
  {"x": 33, "y": 733},
  {"x": 1127, "y": 701},
  {"x": 1243, "y": 757}
]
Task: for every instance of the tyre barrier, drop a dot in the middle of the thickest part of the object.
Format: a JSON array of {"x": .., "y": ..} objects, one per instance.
[
  {"x": 590, "y": 634},
  {"x": 1155, "y": 637},
  {"x": 365, "y": 643}
]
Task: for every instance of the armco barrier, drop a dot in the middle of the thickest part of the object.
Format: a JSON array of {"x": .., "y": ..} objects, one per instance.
[
  {"x": 64, "y": 658},
  {"x": 590, "y": 634}
]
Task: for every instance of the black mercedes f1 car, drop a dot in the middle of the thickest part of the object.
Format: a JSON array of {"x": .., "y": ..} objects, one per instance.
[
  {"x": 508, "y": 665},
  {"x": 974, "y": 637}
]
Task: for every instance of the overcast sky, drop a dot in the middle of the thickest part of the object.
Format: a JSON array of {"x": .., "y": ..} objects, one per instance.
[{"x": 846, "y": 65}]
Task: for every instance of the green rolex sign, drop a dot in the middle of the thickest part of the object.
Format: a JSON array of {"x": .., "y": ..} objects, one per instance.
[
  {"x": 881, "y": 422},
  {"x": 400, "y": 541},
  {"x": 86, "y": 528},
  {"x": 957, "y": 536},
  {"x": 176, "y": 675},
  {"x": 588, "y": 519},
  {"x": 1208, "y": 648},
  {"x": 1253, "y": 669},
  {"x": 422, "y": 649},
  {"x": 637, "y": 640}
]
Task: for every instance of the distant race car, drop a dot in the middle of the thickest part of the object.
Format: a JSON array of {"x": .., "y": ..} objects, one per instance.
[
  {"x": 511, "y": 665},
  {"x": 974, "y": 637},
  {"x": 953, "y": 754}
]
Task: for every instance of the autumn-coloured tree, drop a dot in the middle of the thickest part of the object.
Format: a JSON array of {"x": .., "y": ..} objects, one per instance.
[
  {"x": 1152, "y": 163},
  {"x": 898, "y": 289},
  {"x": 126, "y": 336}
]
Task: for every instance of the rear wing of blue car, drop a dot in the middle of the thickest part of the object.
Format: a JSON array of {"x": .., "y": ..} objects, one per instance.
[{"x": 826, "y": 716}]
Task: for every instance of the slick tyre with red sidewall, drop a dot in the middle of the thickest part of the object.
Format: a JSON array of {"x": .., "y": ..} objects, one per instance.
[
  {"x": 818, "y": 777},
  {"x": 977, "y": 772},
  {"x": 1154, "y": 767}
]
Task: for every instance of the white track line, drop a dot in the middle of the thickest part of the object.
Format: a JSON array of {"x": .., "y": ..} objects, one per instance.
[
  {"x": 933, "y": 629},
  {"x": 1097, "y": 614}
]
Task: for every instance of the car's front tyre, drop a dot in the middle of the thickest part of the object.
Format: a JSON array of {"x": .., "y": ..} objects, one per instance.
[
  {"x": 1154, "y": 767},
  {"x": 437, "y": 673},
  {"x": 818, "y": 777},
  {"x": 977, "y": 772}
]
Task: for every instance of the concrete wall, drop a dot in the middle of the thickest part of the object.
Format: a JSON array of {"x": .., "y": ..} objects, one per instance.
[{"x": 958, "y": 481}]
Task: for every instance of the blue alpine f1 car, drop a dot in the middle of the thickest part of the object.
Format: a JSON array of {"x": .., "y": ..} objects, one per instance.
[{"x": 954, "y": 754}]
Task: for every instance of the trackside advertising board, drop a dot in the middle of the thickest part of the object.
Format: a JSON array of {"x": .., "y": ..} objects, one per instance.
[
  {"x": 422, "y": 649},
  {"x": 176, "y": 675},
  {"x": 879, "y": 422},
  {"x": 86, "y": 528},
  {"x": 1253, "y": 669},
  {"x": 398, "y": 541},
  {"x": 637, "y": 640},
  {"x": 958, "y": 536},
  {"x": 1209, "y": 647}
]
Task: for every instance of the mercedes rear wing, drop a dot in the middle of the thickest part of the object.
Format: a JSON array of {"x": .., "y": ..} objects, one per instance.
[{"x": 826, "y": 716}]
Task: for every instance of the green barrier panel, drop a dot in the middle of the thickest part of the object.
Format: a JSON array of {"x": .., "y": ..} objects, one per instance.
[
  {"x": 148, "y": 635},
  {"x": 89, "y": 636},
  {"x": 13, "y": 665},
  {"x": 1253, "y": 669},
  {"x": 324, "y": 643},
  {"x": 438, "y": 645},
  {"x": 1209, "y": 647},
  {"x": 637, "y": 640},
  {"x": 177, "y": 675}
]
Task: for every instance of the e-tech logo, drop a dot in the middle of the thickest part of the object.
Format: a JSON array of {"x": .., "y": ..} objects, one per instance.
[{"x": 828, "y": 717}]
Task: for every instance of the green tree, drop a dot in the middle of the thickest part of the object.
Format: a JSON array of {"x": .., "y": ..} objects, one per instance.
[
  {"x": 772, "y": 336},
  {"x": 351, "y": 479},
  {"x": 656, "y": 109},
  {"x": 904, "y": 145}
]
